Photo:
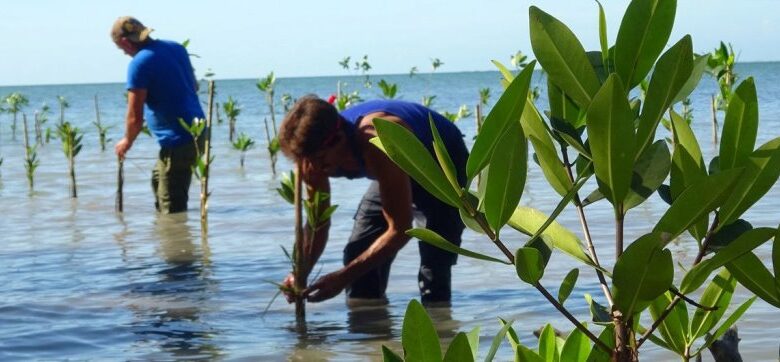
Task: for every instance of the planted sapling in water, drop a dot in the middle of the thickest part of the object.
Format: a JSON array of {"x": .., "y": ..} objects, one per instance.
[
  {"x": 15, "y": 102},
  {"x": 267, "y": 87},
  {"x": 70, "y": 137},
  {"x": 243, "y": 143},
  {"x": 389, "y": 90},
  {"x": 232, "y": 110},
  {"x": 101, "y": 129},
  {"x": 31, "y": 161}
]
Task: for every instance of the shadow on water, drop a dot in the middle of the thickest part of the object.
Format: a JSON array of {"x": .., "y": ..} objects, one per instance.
[{"x": 169, "y": 301}]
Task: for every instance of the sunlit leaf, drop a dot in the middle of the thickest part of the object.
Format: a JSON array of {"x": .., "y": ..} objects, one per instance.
[
  {"x": 418, "y": 335},
  {"x": 740, "y": 127},
  {"x": 561, "y": 54},
  {"x": 459, "y": 349},
  {"x": 577, "y": 347},
  {"x": 529, "y": 220},
  {"x": 717, "y": 294},
  {"x": 642, "y": 36},
  {"x": 612, "y": 140},
  {"x": 674, "y": 328},
  {"x": 506, "y": 176},
  {"x": 410, "y": 155},
  {"x": 547, "y": 348},
  {"x": 671, "y": 73},
  {"x": 507, "y": 110},
  {"x": 431, "y": 237},
  {"x": 529, "y": 265},
  {"x": 552, "y": 167}
]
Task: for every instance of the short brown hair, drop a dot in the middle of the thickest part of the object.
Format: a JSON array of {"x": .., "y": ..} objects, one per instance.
[{"x": 305, "y": 128}]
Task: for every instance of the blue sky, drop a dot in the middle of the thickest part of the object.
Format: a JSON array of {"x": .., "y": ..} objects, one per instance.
[{"x": 56, "y": 42}]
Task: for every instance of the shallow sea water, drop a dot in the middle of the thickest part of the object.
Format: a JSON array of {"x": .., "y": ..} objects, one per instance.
[{"x": 78, "y": 281}]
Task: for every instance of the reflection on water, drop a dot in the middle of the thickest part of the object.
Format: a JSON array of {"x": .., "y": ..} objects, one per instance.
[{"x": 167, "y": 308}]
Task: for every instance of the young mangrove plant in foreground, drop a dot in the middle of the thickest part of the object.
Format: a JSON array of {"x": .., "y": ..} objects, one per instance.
[
  {"x": 592, "y": 131},
  {"x": 30, "y": 157},
  {"x": 318, "y": 211},
  {"x": 70, "y": 137},
  {"x": 243, "y": 144},
  {"x": 15, "y": 102},
  {"x": 232, "y": 110},
  {"x": 200, "y": 129}
]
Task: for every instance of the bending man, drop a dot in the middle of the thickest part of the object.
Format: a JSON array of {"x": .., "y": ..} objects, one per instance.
[{"x": 333, "y": 144}]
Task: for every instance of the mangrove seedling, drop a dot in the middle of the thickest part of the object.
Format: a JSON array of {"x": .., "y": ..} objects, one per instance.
[
  {"x": 272, "y": 147},
  {"x": 30, "y": 157},
  {"x": 70, "y": 137},
  {"x": 232, "y": 110},
  {"x": 412, "y": 72},
  {"x": 287, "y": 102},
  {"x": 389, "y": 90},
  {"x": 318, "y": 212},
  {"x": 243, "y": 143},
  {"x": 721, "y": 66},
  {"x": 267, "y": 86},
  {"x": 463, "y": 112},
  {"x": 364, "y": 66},
  {"x": 484, "y": 96},
  {"x": 427, "y": 101},
  {"x": 15, "y": 102},
  {"x": 101, "y": 129},
  {"x": 63, "y": 102},
  {"x": 591, "y": 130}
]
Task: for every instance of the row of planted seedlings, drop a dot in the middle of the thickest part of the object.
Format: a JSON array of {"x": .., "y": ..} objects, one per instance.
[{"x": 595, "y": 128}]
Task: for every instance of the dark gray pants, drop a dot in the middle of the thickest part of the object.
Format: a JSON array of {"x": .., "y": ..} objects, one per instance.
[{"x": 434, "y": 275}]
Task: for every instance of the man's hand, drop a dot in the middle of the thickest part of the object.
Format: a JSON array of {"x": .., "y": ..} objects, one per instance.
[
  {"x": 326, "y": 287},
  {"x": 122, "y": 147},
  {"x": 289, "y": 285}
]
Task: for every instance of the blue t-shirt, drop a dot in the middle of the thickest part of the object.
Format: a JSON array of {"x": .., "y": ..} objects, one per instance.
[
  {"x": 163, "y": 68},
  {"x": 414, "y": 115}
]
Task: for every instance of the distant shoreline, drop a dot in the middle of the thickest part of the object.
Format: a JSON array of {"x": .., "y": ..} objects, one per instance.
[{"x": 3, "y": 88}]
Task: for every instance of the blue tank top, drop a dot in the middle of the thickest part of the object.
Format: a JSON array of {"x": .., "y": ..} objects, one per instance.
[{"x": 413, "y": 114}]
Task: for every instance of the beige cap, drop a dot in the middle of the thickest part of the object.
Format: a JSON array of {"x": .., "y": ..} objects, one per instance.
[{"x": 130, "y": 28}]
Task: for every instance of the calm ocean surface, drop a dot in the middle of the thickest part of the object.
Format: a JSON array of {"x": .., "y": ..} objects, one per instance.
[{"x": 78, "y": 281}]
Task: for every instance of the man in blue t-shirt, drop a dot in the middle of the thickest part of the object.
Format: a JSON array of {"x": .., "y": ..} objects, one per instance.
[{"x": 160, "y": 76}]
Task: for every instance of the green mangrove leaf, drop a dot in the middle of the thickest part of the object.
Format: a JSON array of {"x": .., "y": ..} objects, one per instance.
[
  {"x": 650, "y": 171},
  {"x": 561, "y": 54},
  {"x": 612, "y": 140},
  {"x": 776, "y": 260},
  {"x": 525, "y": 354},
  {"x": 642, "y": 273},
  {"x": 445, "y": 161},
  {"x": 505, "y": 72},
  {"x": 762, "y": 170},
  {"x": 418, "y": 335},
  {"x": 473, "y": 337},
  {"x": 599, "y": 314},
  {"x": 744, "y": 244},
  {"x": 717, "y": 294},
  {"x": 727, "y": 234},
  {"x": 740, "y": 126},
  {"x": 603, "y": 37},
  {"x": 657, "y": 341},
  {"x": 562, "y": 107},
  {"x": 570, "y": 135},
  {"x": 529, "y": 264},
  {"x": 552, "y": 167},
  {"x": 497, "y": 341},
  {"x": 459, "y": 349},
  {"x": 511, "y": 335},
  {"x": 699, "y": 66},
  {"x": 507, "y": 110},
  {"x": 567, "y": 285},
  {"x": 687, "y": 167},
  {"x": 389, "y": 356},
  {"x": 530, "y": 221},
  {"x": 696, "y": 202},
  {"x": 673, "y": 329},
  {"x": 642, "y": 36},
  {"x": 431, "y": 237},
  {"x": 670, "y": 75},
  {"x": 593, "y": 197},
  {"x": 506, "y": 176},
  {"x": 728, "y": 323},
  {"x": 607, "y": 336},
  {"x": 547, "y": 349},
  {"x": 577, "y": 346},
  {"x": 753, "y": 275},
  {"x": 412, "y": 157}
]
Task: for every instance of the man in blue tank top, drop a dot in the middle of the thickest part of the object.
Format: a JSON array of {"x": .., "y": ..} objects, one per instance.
[
  {"x": 160, "y": 76},
  {"x": 329, "y": 144}
]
